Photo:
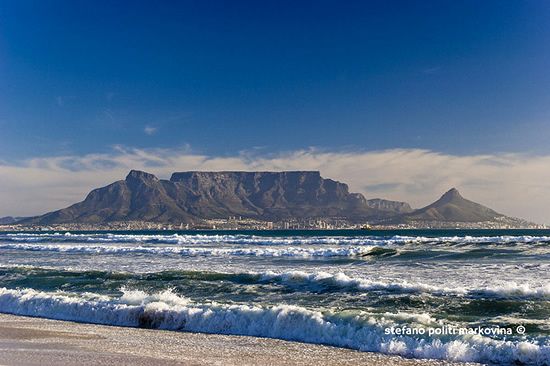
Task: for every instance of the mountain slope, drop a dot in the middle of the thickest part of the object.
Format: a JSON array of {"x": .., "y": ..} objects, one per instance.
[
  {"x": 8, "y": 220},
  {"x": 453, "y": 207},
  {"x": 141, "y": 196},
  {"x": 192, "y": 196}
]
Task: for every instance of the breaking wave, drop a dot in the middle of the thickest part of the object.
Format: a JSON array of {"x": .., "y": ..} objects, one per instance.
[
  {"x": 356, "y": 330},
  {"x": 307, "y": 282},
  {"x": 343, "y": 281},
  {"x": 356, "y": 251},
  {"x": 265, "y": 240}
]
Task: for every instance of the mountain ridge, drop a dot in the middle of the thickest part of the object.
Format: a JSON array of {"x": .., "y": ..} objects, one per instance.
[{"x": 194, "y": 196}]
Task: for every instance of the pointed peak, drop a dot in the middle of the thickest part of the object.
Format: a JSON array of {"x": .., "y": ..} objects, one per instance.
[
  {"x": 452, "y": 193},
  {"x": 140, "y": 175}
]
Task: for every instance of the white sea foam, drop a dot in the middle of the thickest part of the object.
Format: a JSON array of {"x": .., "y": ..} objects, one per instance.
[
  {"x": 340, "y": 281},
  {"x": 265, "y": 240},
  {"x": 361, "y": 331},
  {"x": 304, "y": 252},
  {"x": 345, "y": 282}
]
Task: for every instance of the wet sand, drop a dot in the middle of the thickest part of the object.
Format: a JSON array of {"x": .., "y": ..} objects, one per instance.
[{"x": 34, "y": 341}]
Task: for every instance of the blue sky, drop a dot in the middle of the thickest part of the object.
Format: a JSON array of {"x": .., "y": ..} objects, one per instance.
[
  {"x": 400, "y": 99},
  {"x": 456, "y": 77}
]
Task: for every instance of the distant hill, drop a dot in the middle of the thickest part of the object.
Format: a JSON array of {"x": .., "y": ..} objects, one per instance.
[
  {"x": 452, "y": 207},
  {"x": 192, "y": 196},
  {"x": 8, "y": 220}
]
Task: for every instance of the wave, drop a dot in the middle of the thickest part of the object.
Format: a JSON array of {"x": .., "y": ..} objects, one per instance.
[
  {"x": 358, "y": 251},
  {"x": 342, "y": 281},
  {"x": 361, "y": 331},
  {"x": 179, "y": 239},
  {"x": 351, "y": 251},
  {"x": 307, "y": 281},
  {"x": 266, "y": 240}
]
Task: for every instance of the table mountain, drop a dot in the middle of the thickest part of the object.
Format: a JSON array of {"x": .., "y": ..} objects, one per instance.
[{"x": 192, "y": 196}]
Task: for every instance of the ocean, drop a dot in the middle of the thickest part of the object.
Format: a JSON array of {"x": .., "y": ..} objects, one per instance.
[{"x": 465, "y": 295}]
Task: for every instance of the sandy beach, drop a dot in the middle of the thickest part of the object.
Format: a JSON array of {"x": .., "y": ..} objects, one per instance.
[{"x": 35, "y": 341}]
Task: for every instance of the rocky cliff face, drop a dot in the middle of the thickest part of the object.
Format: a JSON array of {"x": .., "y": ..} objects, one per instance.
[
  {"x": 191, "y": 196},
  {"x": 272, "y": 195}
]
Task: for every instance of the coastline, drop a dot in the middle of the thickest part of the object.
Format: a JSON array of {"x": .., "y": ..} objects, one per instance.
[
  {"x": 17, "y": 229},
  {"x": 38, "y": 341}
]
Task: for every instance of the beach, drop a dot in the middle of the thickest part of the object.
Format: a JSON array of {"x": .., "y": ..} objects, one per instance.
[{"x": 35, "y": 341}]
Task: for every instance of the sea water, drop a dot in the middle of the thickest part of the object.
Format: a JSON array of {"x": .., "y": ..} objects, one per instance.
[{"x": 475, "y": 295}]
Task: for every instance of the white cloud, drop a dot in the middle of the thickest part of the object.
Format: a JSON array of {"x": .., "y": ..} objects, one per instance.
[
  {"x": 150, "y": 130},
  {"x": 514, "y": 184}
]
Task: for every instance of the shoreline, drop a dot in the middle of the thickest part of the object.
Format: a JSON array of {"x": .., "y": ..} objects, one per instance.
[
  {"x": 39, "y": 341},
  {"x": 33, "y": 230}
]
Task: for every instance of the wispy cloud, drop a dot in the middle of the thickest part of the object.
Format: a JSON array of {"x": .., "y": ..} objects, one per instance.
[
  {"x": 62, "y": 100},
  {"x": 109, "y": 115},
  {"x": 149, "y": 130},
  {"x": 514, "y": 184}
]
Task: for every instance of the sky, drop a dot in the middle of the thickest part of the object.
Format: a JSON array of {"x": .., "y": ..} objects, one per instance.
[{"x": 400, "y": 99}]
